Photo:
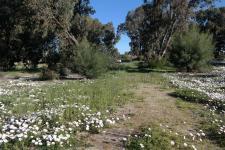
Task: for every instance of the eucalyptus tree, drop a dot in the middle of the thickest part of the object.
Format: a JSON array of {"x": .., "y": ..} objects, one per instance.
[
  {"x": 213, "y": 20},
  {"x": 9, "y": 42},
  {"x": 152, "y": 25},
  {"x": 27, "y": 25},
  {"x": 132, "y": 28}
]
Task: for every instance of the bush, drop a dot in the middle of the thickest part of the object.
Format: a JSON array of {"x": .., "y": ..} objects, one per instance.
[
  {"x": 126, "y": 58},
  {"x": 158, "y": 64},
  {"x": 192, "y": 51},
  {"x": 48, "y": 74},
  {"x": 63, "y": 72},
  {"x": 87, "y": 60}
]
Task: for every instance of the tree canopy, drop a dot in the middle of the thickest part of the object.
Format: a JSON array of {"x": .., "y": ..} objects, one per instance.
[
  {"x": 37, "y": 30},
  {"x": 152, "y": 25},
  {"x": 213, "y": 20}
]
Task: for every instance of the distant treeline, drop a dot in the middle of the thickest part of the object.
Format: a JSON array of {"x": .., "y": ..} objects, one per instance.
[
  {"x": 51, "y": 31},
  {"x": 155, "y": 27}
]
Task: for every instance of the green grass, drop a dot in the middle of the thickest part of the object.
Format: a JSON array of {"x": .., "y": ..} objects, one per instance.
[
  {"x": 110, "y": 91},
  {"x": 212, "y": 132},
  {"x": 191, "y": 95},
  {"x": 209, "y": 120},
  {"x": 107, "y": 92},
  {"x": 186, "y": 105},
  {"x": 155, "y": 138}
]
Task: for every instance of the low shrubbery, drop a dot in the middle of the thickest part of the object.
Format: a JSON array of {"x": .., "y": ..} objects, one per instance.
[
  {"x": 127, "y": 57},
  {"x": 192, "y": 51},
  {"x": 87, "y": 59},
  {"x": 48, "y": 74},
  {"x": 63, "y": 72},
  {"x": 90, "y": 61},
  {"x": 156, "y": 63},
  {"x": 160, "y": 64}
]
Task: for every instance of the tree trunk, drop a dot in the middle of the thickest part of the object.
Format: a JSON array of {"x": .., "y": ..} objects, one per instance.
[
  {"x": 170, "y": 33},
  {"x": 69, "y": 36}
]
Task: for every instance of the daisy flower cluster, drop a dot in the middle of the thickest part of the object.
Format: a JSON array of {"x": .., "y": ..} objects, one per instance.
[
  {"x": 9, "y": 87},
  {"x": 211, "y": 84},
  {"x": 167, "y": 138},
  {"x": 5, "y": 92},
  {"x": 51, "y": 126}
]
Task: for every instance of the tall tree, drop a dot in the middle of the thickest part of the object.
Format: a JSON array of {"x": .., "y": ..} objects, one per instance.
[
  {"x": 213, "y": 20},
  {"x": 27, "y": 25},
  {"x": 152, "y": 25},
  {"x": 9, "y": 43},
  {"x": 132, "y": 28},
  {"x": 83, "y": 26},
  {"x": 81, "y": 17},
  {"x": 83, "y": 8}
]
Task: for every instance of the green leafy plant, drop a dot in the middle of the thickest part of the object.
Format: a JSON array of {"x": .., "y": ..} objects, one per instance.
[
  {"x": 90, "y": 60},
  {"x": 192, "y": 50},
  {"x": 48, "y": 74}
]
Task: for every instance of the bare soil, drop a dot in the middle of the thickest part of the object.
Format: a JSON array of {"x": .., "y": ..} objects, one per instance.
[{"x": 157, "y": 107}]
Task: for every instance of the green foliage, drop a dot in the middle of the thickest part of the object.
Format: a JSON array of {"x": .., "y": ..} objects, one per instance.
[
  {"x": 192, "y": 51},
  {"x": 209, "y": 119},
  {"x": 48, "y": 74},
  {"x": 64, "y": 72},
  {"x": 31, "y": 35},
  {"x": 213, "y": 20},
  {"x": 198, "y": 97},
  {"x": 212, "y": 132},
  {"x": 154, "y": 139},
  {"x": 126, "y": 57},
  {"x": 191, "y": 95},
  {"x": 87, "y": 60},
  {"x": 95, "y": 32},
  {"x": 26, "y": 28},
  {"x": 83, "y": 7},
  {"x": 158, "y": 64},
  {"x": 151, "y": 26}
]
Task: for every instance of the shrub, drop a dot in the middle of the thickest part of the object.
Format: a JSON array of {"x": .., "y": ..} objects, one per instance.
[
  {"x": 126, "y": 58},
  {"x": 63, "y": 72},
  {"x": 158, "y": 64},
  {"x": 48, "y": 74},
  {"x": 192, "y": 51},
  {"x": 87, "y": 60}
]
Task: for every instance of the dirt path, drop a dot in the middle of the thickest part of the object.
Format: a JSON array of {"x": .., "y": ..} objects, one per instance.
[{"x": 157, "y": 107}]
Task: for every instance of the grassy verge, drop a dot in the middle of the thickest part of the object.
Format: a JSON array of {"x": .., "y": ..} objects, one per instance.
[
  {"x": 107, "y": 92},
  {"x": 157, "y": 138},
  {"x": 211, "y": 115},
  {"x": 86, "y": 105},
  {"x": 191, "y": 95},
  {"x": 60, "y": 109}
]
